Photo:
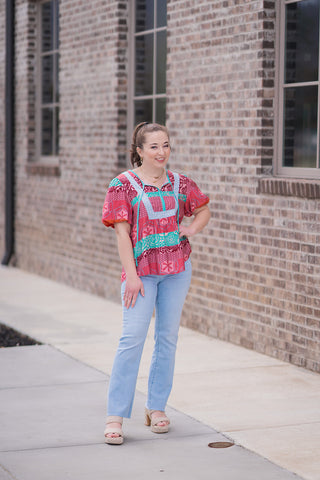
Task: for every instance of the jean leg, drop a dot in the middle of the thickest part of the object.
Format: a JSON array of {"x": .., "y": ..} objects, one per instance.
[
  {"x": 172, "y": 292},
  {"x": 125, "y": 368}
]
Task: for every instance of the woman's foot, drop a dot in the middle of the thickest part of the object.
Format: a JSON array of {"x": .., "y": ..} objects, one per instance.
[
  {"x": 113, "y": 433},
  {"x": 115, "y": 426},
  {"x": 158, "y": 414},
  {"x": 158, "y": 420}
]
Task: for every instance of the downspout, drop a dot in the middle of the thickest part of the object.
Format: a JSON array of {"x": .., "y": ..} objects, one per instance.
[{"x": 9, "y": 133}]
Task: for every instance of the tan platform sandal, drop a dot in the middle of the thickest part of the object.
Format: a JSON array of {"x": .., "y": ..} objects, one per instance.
[
  {"x": 154, "y": 422},
  {"x": 113, "y": 440}
]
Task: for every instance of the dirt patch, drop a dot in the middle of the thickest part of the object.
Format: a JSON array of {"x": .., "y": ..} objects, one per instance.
[{"x": 12, "y": 338}]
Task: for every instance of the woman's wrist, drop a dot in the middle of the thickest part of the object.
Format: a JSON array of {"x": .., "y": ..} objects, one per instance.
[{"x": 132, "y": 275}]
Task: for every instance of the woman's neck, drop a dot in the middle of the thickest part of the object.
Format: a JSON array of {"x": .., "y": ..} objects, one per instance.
[{"x": 151, "y": 175}]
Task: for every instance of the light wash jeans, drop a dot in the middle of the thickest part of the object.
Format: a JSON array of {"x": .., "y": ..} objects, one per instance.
[{"x": 165, "y": 293}]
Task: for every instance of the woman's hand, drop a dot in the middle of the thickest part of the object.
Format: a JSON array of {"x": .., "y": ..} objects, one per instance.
[
  {"x": 186, "y": 231},
  {"x": 134, "y": 286}
]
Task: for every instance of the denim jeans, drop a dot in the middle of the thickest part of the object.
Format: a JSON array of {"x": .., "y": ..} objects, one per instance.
[{"x": 165, "y": 293}]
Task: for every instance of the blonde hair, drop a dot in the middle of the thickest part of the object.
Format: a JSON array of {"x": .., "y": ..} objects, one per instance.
[{"x": 139, "y": 138}]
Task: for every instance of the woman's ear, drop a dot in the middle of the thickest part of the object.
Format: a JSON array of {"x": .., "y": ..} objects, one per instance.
[{"x": 139, "y": 151}]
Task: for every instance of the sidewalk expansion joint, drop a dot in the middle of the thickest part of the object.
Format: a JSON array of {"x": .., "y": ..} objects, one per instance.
[
  {"x": 103, "y": 444},
  {"x": 53, "y": 385},
  {"x": 51, "y": 447},
  {"x": 7, "y": 472},
  {"x": 271, "y": 427}
]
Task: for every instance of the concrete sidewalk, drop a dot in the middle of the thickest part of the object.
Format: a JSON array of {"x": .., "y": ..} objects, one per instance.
[{"x": 53, "y": 399}]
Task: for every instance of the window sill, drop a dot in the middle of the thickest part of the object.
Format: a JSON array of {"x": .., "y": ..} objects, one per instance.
[
  {"x": 289, "y": 187},
  {"x": 43, "y": 169}
]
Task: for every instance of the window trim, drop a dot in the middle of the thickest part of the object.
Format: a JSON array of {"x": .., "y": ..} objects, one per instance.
[
  {"x": 51, "y": 161},
  {"x": 280, "y": 170}
]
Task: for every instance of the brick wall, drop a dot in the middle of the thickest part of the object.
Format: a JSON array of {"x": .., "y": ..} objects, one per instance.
[
  {"x": 58, "y": 227},
  {"x": 256, "y": 266}
]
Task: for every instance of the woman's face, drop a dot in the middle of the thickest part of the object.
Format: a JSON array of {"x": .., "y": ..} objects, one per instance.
[{"x": 155, "y": 151}]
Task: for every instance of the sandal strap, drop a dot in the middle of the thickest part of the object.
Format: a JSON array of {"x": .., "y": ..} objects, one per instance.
[
  {"x": 156, "y": 420},
  {"x": 113, "y": 430},
  {"x": 114, "y": 419}
]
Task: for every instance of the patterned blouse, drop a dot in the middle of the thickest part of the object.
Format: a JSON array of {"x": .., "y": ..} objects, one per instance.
[{"x": 154, "y": 215}]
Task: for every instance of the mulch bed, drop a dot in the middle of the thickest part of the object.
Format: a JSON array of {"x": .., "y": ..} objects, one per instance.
[{"x": 12, "y": 338}]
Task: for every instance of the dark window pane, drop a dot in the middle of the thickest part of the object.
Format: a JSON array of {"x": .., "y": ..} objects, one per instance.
[
  {"x": 161, "y": 62},
  {"x": 56, "y": 42},
  {"x": 302, "y": 41},
  {"x": 300, "y": 122},
  {"x": 47, "y": 79},
  {"x": 57, "y": 130},
  {"x": 46, "y": 131},
  {"x": 161, "y": 111},
  {"x": 47, "y": 26},
  {"x": 144, "y": 15},
  {"x": 161, "y": 13},
  {"x": 144, "y": 65},
  {"x": 56, "y": 93},
  {"x": 142, "y": 111}
]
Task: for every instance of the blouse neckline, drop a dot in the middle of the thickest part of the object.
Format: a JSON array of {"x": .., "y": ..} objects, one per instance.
[{"x": 149, "y": 184}]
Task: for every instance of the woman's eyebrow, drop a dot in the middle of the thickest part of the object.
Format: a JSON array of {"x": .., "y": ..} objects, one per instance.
[{"x": 156, "y": 144}]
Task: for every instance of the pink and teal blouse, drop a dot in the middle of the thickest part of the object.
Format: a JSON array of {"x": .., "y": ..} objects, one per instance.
[{"x": 154, "y": 215}]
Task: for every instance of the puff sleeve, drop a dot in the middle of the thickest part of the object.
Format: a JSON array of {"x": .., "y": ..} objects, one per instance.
[
  {"x": 195, "y": 198},
  {"x": 117, "y": 206}
]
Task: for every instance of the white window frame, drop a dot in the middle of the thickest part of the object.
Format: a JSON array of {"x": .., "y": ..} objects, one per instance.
[
  {"x": 44, "y": 159},
  {"x": 294, "y": 172}
]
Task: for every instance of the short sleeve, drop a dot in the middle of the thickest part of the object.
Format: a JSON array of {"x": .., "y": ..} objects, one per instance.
[
  {"x": 195, "y": 198},
  {"x": 117, "y": 206}
]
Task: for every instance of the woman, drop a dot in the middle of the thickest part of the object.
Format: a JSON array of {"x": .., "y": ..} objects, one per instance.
[{"x": 146, "y": 206}]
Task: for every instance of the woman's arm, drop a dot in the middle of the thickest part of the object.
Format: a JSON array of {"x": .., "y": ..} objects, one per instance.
[
  {"x": 134, "y": 284},
  {"x": 201, "y": 218}
]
